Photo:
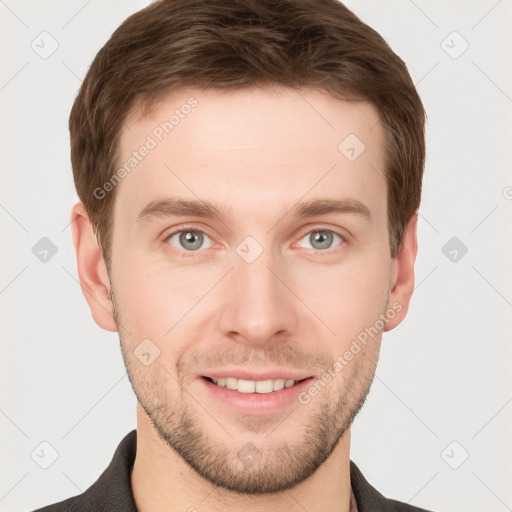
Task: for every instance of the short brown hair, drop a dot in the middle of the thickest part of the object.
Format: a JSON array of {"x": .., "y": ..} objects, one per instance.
[{"x": 241, "y": 43}]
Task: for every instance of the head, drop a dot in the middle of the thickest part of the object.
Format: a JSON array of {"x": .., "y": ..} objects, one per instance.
[{"x": 249, "y": 175}]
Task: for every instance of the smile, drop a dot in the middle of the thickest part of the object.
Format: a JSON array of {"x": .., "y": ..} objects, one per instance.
[{"x": 253, "y": 386}]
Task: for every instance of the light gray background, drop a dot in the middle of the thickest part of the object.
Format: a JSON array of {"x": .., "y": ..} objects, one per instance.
[{"x": 444, "y": 374}]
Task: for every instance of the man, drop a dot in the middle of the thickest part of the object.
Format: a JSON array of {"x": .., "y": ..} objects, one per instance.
[{"x": 249, "y": 174}]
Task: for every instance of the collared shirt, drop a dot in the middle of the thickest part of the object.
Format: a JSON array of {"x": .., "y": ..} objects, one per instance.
[{"x": 112, "y": 491}]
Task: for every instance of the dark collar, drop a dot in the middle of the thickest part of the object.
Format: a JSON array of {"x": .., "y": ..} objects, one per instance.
[{"x": 112, "y": 492}]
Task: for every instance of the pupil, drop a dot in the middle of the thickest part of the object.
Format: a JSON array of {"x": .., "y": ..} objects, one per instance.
[
  {"x": 321, "y": 238},
  {"x": 191, "y": 240}
]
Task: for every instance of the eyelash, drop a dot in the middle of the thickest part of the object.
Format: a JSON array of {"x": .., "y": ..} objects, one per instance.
[{"x": 188, "y": 254}]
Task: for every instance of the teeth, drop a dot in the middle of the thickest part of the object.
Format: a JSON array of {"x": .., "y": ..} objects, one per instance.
[{"x": 254, "y": 386}]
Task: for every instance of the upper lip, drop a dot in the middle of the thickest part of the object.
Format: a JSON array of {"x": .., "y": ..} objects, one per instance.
[{"x": 246, "y": 374}]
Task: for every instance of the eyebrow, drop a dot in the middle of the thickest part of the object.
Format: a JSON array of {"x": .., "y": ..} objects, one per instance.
[{"x": 174, "y": 207}]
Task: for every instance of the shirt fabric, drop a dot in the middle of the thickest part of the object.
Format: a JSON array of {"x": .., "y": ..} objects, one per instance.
[{"x": 112, "y": 491}]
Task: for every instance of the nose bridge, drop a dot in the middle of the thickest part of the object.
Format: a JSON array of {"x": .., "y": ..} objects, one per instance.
[{"x": 258, "y": 305}]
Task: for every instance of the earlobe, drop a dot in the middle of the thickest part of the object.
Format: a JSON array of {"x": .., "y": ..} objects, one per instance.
[
  {"x": 92, "y": 272},
  {"x": 402, "y": 279}
]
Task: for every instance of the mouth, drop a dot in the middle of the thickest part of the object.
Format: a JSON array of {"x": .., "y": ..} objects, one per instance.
[
  {"x": 254, "y": 386},
  {"x": 253, "y": 397}
]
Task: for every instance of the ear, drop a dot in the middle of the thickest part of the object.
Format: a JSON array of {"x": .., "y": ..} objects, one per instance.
[
  {"x": 402, "y": 275},
  {"x": 92, "y": 271}
]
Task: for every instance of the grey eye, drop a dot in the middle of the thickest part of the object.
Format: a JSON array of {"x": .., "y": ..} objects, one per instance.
[
  {"x": 190, "y": 239},
  {"x": 321, "y": 239}
]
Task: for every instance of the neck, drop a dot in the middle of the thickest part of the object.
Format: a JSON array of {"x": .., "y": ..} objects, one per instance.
[{"x": 162, "y": 480}]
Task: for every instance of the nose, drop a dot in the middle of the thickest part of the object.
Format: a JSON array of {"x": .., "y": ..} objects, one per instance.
[{"x": 258, "y": 306}]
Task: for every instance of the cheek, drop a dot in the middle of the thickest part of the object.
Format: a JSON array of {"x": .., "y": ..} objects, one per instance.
[
  {"x": 347, "y": 297},
  {"x": 157, "y": 300}
]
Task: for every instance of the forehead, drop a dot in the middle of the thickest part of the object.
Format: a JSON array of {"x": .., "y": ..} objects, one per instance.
[{"x": 249, "y": 148}]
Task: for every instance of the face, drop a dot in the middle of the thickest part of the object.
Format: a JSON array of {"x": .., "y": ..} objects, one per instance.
[{"x": 250, "y": 241}]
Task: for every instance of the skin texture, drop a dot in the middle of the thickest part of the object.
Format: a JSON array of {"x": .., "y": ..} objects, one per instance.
[{"x": 257, "y": 152}]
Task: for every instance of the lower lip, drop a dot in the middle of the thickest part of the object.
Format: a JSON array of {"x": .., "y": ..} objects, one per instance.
[{"x": 257, "y": 403}]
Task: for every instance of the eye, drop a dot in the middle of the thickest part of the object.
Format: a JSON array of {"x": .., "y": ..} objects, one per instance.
[
  {"x": 321, "y": 239},
  {"x": 189, "y": 239}
]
